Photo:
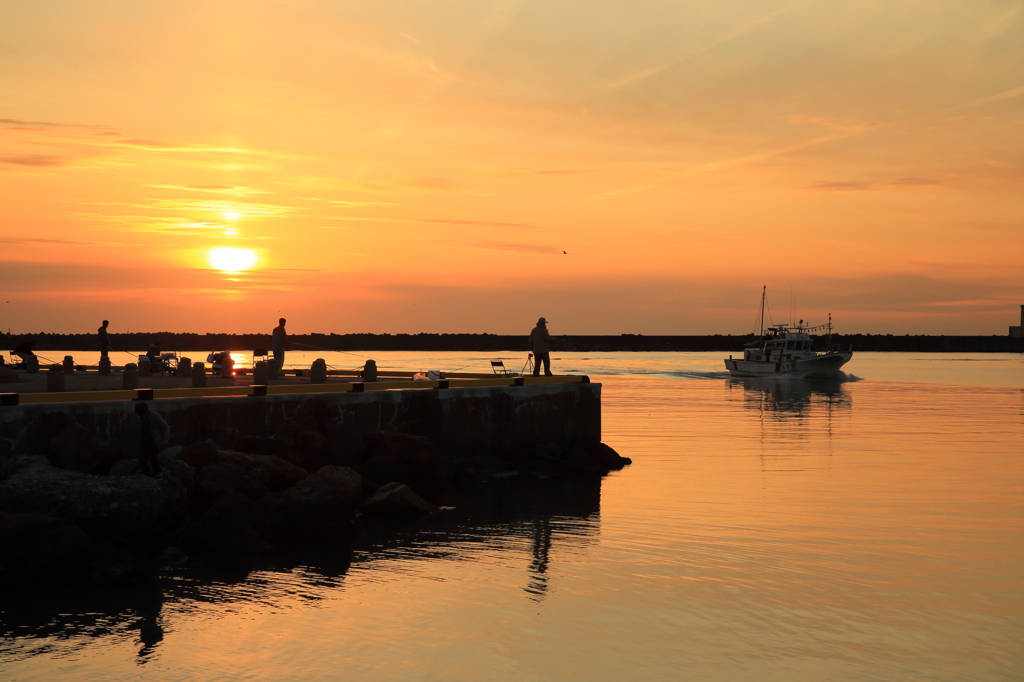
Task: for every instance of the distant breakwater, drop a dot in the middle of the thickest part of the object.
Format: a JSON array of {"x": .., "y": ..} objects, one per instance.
[{"x": 494, "y": 343}]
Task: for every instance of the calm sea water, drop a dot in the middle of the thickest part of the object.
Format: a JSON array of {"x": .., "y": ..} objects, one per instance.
[{"x": 866, "y": 530}]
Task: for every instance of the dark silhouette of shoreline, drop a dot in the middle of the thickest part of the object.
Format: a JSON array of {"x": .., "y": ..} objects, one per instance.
[{"x": 139, "y": 342}]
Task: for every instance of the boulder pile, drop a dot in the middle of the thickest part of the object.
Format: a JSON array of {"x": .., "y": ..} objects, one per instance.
[{"x": 74, "y": 507}]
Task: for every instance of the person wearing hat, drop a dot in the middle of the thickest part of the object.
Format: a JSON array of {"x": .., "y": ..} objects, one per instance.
[{"x": 540, "y": 343}]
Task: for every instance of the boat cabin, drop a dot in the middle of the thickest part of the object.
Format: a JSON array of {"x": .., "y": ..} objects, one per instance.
[{"x": 780, "y": 343}]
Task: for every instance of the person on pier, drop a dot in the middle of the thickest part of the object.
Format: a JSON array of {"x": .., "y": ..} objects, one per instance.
[
  {"x": 154, "y": 435},
  {"x": 540, "y": 343},
  {"x": 104, "y": 341},
  {"x": 279, "y": 343}
]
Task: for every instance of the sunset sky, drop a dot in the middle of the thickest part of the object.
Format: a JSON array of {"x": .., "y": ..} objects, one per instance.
[{"x": 410, "y": 166}]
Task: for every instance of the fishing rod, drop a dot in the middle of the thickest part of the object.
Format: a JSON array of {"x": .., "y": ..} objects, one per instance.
[{"x": 329, "y": 350}]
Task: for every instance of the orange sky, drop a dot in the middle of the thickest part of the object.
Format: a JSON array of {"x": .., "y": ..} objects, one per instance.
[{"x": 405, "y": 166}]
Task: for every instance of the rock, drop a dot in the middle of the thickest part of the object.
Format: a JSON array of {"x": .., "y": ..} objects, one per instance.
[
  {"x": 35, "y": 436},
  {"x": 114, "y": 562},
  {"x": 198, "y": 455},
  {"x": 305, "y": 448},
  {"x": 485, "y": 463},
  {"x": 608, "y": 458},
  {"x": 318, "y": 509},
  {"x": 419, "y": 455},
  {"x": 127, "y": 506},
  {"x": 171, "y": 556},
  {"x": 261, "y": 446},
  {"x": 334, "y": 486},
  {"x": 398, "y": 499},
  {"x": 274, "y": 473},
  {"x": 172, "y": 469},
  {"x": 225, "y": 437},
  {"x": 220, "y": 538},
  {"x": 42, "y": 547},
  {"x": 385, "y": 469},
  {"x": 77, "y": 449},
  {"x": 12, "y": 465},
  {"x": 217, "y": 479}
]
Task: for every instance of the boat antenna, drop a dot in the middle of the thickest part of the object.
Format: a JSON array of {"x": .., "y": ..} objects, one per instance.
[{"x": 830, "y": 330}]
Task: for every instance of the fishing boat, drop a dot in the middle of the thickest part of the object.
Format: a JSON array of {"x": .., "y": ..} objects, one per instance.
[{"x": 786, "y": 349}]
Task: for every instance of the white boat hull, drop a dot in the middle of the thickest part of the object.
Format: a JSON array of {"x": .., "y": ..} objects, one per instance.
[{"x": 826, "y": 364}]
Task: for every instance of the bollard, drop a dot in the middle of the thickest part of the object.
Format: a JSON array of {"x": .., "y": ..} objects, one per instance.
[
  {"x": 130, "y": 378},
  {"x": 184, "y": 367},
  {"x": 144, "y": 366},
  {"x": 32, "y": 364},
  {"x": 227, "y": 367},
  {"x": 273, "y": 369},
  {"x": 261, "y": 373},
  {"x": 318, "y": 372},
  {"x": 370, "y": 371},
  {"x": 69, "y": 365},
  {"x": 55, "y": 379},
  {"x": 104, "y": 367},
  {"x": 198, "y": 375}
]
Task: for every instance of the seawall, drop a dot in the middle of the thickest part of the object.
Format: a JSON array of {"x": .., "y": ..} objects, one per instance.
[
  {"x": 204, "y": 343},
  {"x": 493, "y": 419}
]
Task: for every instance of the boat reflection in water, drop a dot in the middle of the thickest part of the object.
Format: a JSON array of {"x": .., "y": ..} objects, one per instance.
[
  {"x": 799, "y": 420},
  {"x": 513, "y": 522},
  {"x": 788, "y": 397}
]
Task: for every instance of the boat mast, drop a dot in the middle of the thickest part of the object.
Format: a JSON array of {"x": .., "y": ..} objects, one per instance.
[
  {"x": 830, "y": 330},
  {"x": 764, "y": 292}
]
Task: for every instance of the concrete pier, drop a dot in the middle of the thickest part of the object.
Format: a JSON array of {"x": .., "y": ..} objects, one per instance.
[{"x": 486, "y": 419}]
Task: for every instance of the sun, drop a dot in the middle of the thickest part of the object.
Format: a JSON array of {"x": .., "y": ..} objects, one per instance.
[{"x": 230, "y": 259}]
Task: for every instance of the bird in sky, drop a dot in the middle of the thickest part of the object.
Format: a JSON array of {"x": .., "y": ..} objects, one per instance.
[{"x": 563, "y": 252}]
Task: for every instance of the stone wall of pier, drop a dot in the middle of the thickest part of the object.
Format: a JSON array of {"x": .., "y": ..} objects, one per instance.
[{"x": 492, "y": 419}]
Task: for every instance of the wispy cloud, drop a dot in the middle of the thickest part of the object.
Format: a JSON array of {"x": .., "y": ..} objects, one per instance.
[
  {"x": 166, "y": 224},
  {"x": 35, "y": 160},
  {"x": 911, "y": 182},
  {"x": 442, "y": 221},
  {"x": 721, "y": 39},
  {"x": 43, "y": 241},
  {"x": 517, "y": 248},
  {"x": 830, "y": 123},
  {"x": 214, "y": 189},
  {"x": 680, "y": 174},
  {"x": 1008, "y": 94},
  {"x": 352, "y": 204},
  {"x": 221, "y": 207},
  {"x": 840, "y": 186},
  {"x": 480, "y": 223}
]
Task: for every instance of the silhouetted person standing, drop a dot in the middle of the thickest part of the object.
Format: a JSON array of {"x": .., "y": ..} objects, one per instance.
[
  {"x": 104, "y": 341},
  {"x": 154, "y": 434},
  {"x": 279, "y": 343},
  {"x": 540, "y": 343}
]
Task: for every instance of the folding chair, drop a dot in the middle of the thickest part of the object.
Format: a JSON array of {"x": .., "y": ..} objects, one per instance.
[
  {"x": 498, "y": 367},
  {"x": 259, "y": 354}
]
